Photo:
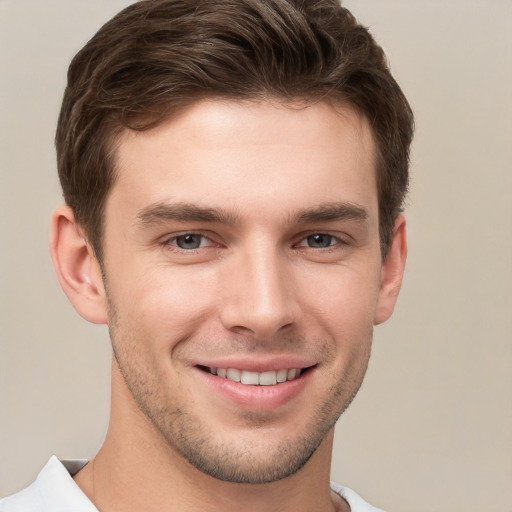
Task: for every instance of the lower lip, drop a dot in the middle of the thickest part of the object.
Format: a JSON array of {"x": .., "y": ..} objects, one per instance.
[{"x": 259, "y": 398}]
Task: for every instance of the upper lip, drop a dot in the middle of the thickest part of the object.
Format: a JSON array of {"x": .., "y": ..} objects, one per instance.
[{"x": 258, "y": 363}]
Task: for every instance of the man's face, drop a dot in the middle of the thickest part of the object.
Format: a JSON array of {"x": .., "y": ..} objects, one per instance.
[{"x": 242, "y": 242}]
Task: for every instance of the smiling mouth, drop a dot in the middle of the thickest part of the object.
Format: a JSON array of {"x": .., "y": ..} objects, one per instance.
[{"x": 269, "y": 378}]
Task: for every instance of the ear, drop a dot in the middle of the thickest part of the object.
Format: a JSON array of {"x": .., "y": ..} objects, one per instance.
[
  {"x": 77, "y": 268},
  {"x": 392, "y": 272}
]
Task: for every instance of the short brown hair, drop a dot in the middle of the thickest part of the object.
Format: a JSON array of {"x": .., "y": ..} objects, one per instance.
[{"x": 156, "y": 56}]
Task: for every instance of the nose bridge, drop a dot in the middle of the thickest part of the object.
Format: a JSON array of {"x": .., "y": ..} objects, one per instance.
[{"x": 259, "y": 294}]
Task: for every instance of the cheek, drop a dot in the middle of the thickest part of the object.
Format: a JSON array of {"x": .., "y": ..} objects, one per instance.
[
  {"x": 345, "y": 300},
  {"x": 163, "y": 304},
  {"x": 345, "y": 315}
]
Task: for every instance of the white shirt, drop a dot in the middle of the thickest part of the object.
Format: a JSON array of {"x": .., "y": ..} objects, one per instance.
[{"x": 54, "y": 490}]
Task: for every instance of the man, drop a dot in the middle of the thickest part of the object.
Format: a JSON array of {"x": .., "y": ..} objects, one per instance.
[{"x": 234, "y": 172}]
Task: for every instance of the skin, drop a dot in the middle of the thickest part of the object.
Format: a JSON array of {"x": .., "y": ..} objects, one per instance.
[{"x": 236, "y": 235}]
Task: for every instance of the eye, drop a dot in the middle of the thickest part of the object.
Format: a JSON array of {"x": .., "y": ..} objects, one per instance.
[
  {"x": 189, "y": 241},
  {"x": 319, "y": 241}
]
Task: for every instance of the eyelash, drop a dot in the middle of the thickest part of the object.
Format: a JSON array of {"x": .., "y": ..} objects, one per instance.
[
  {"x": 171, "y": 242},
  {"x": 333, "y": 239}
]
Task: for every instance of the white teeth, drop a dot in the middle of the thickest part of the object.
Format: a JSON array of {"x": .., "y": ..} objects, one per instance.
[
  {"x": 269, "y": 378},
  {"x": 249, "y": 378},
  {"x": 282, "y": 375},
  {"x": 292, "y": 374},
  {"x": 234, "y": 374}
]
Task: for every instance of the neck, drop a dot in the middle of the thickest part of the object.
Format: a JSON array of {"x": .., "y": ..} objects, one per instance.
[{"x": 136, "y": 469}]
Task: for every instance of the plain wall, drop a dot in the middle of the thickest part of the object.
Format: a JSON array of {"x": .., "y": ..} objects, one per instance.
[{"x": 431, "y": 428}]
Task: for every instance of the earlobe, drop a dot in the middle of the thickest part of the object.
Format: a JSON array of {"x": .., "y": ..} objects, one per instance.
[
  {"x": 77, "y": 268},
  {"x": 392, "y": 272}
]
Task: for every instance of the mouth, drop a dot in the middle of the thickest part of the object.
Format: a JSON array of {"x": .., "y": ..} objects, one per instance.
[{"x": 251, "y": 378}]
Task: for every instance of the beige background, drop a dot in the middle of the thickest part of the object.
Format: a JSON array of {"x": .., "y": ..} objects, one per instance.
[{"x": 431, "y": 429}]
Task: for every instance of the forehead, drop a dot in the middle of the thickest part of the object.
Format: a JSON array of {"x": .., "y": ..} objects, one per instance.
[{"x": 265, "y": 154}]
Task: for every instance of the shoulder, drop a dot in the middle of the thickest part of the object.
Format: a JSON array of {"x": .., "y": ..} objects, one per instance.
[
  {"x": 53, "y": 491},
  {"x": 357, "y": 504}
]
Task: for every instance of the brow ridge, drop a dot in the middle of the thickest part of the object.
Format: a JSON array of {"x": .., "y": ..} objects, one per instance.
[
  {"x": 189, "y": 212},
  {"x": 330, "y": 212},
  {"x": 183, "y": 212}
]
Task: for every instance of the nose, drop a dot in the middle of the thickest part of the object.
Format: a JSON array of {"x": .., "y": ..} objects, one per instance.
[{"x": 258, "y": 296}]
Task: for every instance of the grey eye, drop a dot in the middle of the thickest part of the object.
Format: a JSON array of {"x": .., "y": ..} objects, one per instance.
[
  {"x": 319, "y": 240},
  {"x": 189, "y": 241}
]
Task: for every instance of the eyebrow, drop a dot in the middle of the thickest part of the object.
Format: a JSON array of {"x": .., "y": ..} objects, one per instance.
[
  {"x": 188, "y": 212},
  {"x": 330, "y": 212},
  {"x": 183, "y": 212}
]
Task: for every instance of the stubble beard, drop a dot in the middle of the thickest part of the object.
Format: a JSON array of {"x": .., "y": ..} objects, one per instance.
[{"x": 189, "y": 435}]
